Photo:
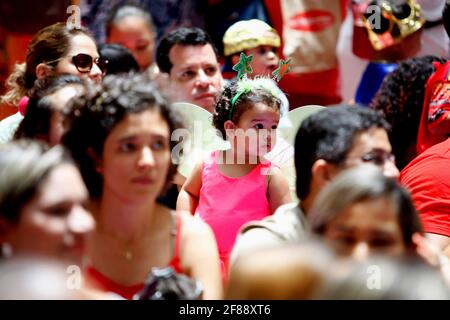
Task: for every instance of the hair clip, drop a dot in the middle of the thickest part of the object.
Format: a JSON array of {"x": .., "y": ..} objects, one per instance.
[
  {"x": 284, "y": 66},
  {"x": 23, "y": 104}
]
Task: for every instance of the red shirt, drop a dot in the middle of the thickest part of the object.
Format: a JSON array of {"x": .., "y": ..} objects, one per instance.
[
  {"x": 100, "y": 281},
  {"x": 428, "y": 179},
  {"x": 436, "y": 108}
]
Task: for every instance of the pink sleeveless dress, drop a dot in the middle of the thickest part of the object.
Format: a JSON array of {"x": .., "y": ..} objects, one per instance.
[{"x": 227, "y": 203}]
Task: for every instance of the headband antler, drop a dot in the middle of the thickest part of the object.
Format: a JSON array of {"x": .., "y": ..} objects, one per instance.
[
  {"x": 243, "y": 66},
  {"x": 284, "y": 66},
  {"x": 246, "y": 85}
]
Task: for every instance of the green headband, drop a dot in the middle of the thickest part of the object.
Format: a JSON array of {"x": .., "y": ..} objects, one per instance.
[{"x": 246, "y": 85}]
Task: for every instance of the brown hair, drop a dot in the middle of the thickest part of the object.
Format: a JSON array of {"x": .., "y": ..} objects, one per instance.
[
  {"x": 49, "y": 44},
  {"x": 96, "y": 114}
]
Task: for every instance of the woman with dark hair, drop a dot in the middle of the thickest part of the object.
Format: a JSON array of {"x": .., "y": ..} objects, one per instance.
[
  {"x": 44, "y": 117},
  {"x": 121, "y": 139},
  {"x": 120, "y": 59},
  {"x": 131, "y": 26},
  {"x": 400, "y": 98},
  {"x": 362, "y": 212}
]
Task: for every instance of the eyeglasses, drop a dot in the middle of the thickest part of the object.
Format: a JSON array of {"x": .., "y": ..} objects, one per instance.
[
  {"x": 378, "y": 158},
  {"x": 84, "y": 62}
]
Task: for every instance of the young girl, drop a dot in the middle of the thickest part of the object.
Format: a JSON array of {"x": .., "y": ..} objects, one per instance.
[{"x": 238, "y": 185}]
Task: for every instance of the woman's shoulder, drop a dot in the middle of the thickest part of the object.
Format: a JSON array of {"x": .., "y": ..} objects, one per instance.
[
  {"x": 184, "y": 224},
  {"x": 190, "y": 225},
  {"x": 194, "y": 234},
  {"x": 186, "y": 217}
]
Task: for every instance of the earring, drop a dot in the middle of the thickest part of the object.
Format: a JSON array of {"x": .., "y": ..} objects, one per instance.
[{"x": 6, "y": 250}]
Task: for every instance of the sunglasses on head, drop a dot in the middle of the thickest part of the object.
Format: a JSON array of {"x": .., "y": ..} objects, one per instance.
[{"x": 84, "y": 62}]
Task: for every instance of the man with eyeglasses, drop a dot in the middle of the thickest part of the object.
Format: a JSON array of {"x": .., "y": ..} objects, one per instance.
[{"x": 328, "y": 142}]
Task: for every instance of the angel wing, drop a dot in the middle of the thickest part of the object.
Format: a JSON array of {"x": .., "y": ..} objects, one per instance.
[
  {"x": 282, "y": 155},
  {"x": 8, "y": 127},
  {"x": 198, "y": 138}
]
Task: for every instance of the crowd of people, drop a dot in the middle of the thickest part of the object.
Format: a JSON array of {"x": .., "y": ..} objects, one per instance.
[{"x": 94, "y": 204}]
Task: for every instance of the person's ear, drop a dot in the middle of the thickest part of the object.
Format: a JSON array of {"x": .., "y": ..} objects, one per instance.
[
  {"x": 43, "y": 70},
  {"x": 98, "y": 162},
  {"x": 323, "y": 172},
  {"x": 229, "y": 126}
]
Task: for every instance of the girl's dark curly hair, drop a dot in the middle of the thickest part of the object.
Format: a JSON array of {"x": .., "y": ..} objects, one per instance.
[
  {"x": 400, "y": 98},
  {"x": 243, "y": 103},
  {"x": 92, "y": 119}
]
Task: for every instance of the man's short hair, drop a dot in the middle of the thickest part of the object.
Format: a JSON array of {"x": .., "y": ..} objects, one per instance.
[
  {"x": 182, "y": 36},
  {"x": 329, "y": 134}
]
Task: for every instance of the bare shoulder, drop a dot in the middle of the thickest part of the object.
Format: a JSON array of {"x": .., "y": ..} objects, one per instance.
[
  {"x": 197, "y": 243},
  {"x": 198, "y": 165},
  {"x": 274, "y": 175},
  {"x": 275, "y": 172},
  {"x": 278, "y": 192}
]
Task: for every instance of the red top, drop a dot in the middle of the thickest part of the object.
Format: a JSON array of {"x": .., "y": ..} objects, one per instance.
[
  {"x": 428, "y": 179},
  {"x": 106, "y": 284},
  {"x": 436, "y": 107}
]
